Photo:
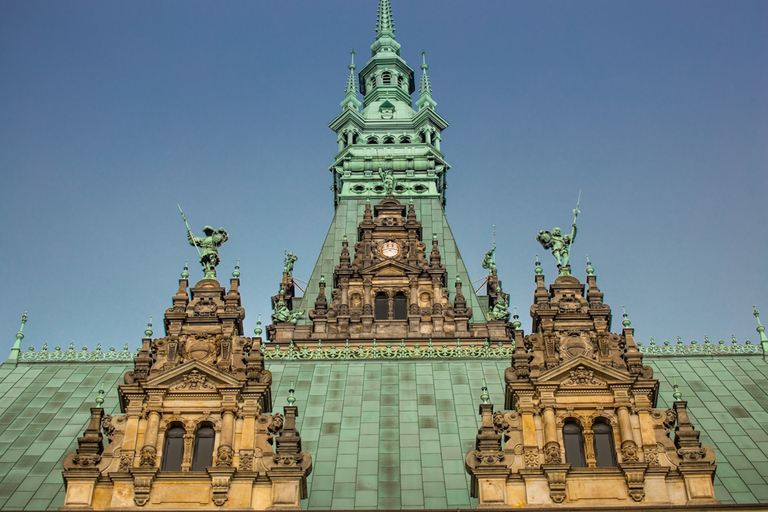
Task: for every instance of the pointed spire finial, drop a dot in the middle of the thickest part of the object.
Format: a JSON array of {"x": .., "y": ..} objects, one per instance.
[
  {"x": 626, "y": 323},
  {"x": 236, "y": 272},
  {"x": 538, "y": 270},
  {"x": 590, "y": 270},
  {"x": 516, "y": 320},
  {"x": 350, "y": 91},
  {"x": 100, "y": 398},
  {"x": 385, "y": 31},
  {"x": 425, "y": 88},
  {"x": 148, "y": 332},
  {"x": 677, "y": 395},
  {"x": 760, "y": 327},
  {"x": 16, "y": 349},
  {"x": 258, "y": 330},
  {"x": 385, "y": 25},
  {"x": 185, "y": 272}
]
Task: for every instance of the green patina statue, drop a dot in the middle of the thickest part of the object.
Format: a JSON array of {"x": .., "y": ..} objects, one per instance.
[
  {"x": 388, "y": 178},
  {"x": 560, "y": 244},
  {"x": 288, "y": 262},
  {"x": 488, "y": 261},
  {"x": 210, "y": 243},
  {"x": 283, "y": 314},
  {"x": 500, "y": 310}
]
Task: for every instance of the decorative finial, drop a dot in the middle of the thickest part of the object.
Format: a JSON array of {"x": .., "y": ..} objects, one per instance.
[
  {"x": 322, "y": 278},
  {"x": 148, "y": 333},
  {"x": 425, "y": 88},
  {"x": 434, "y": 237},
  {"x": 344, "y": 239},
  {"x": 350, "y": 91},
  {"x": 236, "y": 272},
  {"x": 677, "y": 395},
  {"x": 626, "y": 323},
  {"x": 185, "y": 272},
  {"x": 538, "y": 270},
  {"x": 291, "y": 398},
  {"x": 760, "y": 327},
  {"x": 20, "y": 334},
  {"x": 458, "y": 280},
  {"x": 590, "y": 270},
  {"x": 484, "y": 396},
  {"x": 516, "y": 320},
  {"x": 100, "y": 398},
  {"x": 258, "y": 330}
]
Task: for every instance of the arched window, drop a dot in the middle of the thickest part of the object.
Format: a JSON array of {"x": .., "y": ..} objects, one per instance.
[
  {"x": 405, "y": 139},
  {"x": 173, "y": 449},
  {"x": 386, "y": 78},
  {"x": 400, "y": 81},
  {"x": 372, "y": 140},
  {"x": 381, "y": 307},
  {"x": 389, "y": 140},
  {"x": 574, "y": 445},
  {"x": 203, "y": 449},
  {"x": 401, "y": 307},
  {"x": 354, "y": 138},
  {"x": 423, "y": 137},
  {"x": 605, "y": 450}
]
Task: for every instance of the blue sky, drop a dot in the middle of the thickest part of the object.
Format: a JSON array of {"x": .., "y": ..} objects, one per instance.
[{"x": 112, "y": 112}]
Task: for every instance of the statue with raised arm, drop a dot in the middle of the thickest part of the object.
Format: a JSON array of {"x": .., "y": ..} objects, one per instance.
[
  {"x": 488, "y": 261},
  {"x": 388, "y": 179},
  {"x": 209, "y": 248},
  {"x": 560, "y": 244},
  {"x": 288, "y": 262}
]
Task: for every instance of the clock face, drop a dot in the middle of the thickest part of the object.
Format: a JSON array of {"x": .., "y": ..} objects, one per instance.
[{"x": 389, "y": 249}]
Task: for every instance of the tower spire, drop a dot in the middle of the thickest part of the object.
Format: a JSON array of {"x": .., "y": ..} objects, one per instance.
[
  {"x": 385, "y": 31},
  {"x": 350, "y": 92},
  {"x": 425, "y": 89}
]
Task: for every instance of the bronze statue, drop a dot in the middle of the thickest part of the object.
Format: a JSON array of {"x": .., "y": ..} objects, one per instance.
[
  {"x": 388, "y": 179},
  {"x": 560, "y": 244},
  {"x": 210, "y": 243}
]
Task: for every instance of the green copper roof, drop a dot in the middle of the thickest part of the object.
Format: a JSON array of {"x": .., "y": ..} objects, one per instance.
[
  {"x": 433, "y": 221},
  {"x": 389, "y": 434}
]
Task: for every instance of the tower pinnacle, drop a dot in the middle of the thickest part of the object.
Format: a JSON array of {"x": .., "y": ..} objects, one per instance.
[
  {"x": 350, "y": 92},
  {"x": 425, "y": 89},
  {"x": 385, "y": 31}
]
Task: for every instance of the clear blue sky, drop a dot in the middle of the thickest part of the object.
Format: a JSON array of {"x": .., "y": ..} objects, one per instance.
[{"x": 112, "y": 112}]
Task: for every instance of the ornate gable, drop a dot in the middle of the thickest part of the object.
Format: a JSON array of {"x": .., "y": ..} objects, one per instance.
[
  {"x": 197, "y": 429},
  {"x": 582, "y": 422}
]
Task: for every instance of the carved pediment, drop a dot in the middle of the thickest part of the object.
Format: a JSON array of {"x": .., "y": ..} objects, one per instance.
[
  {"x": 390, "y": 268},
  {"x": 193, "y": 376},
  {"x": 582, "y": 372}
]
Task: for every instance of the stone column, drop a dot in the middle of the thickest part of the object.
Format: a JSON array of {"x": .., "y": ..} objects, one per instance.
[
  {"x": 551, "y": 442},
  {"x": 149, "y": 451},
  {"x": 628, "y": 445},
  {"x": 225, "y": 453}
]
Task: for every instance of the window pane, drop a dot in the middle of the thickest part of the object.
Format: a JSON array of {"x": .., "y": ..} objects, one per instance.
[
  {"x": 381, "y": 307},
  {"x": 401, "y": 307},
  {"x": 574, "y": 445},
  {"x": 203, "y": 449},
  {"x": 605, "y": 451},
  {"x": 173, "y": 449}
]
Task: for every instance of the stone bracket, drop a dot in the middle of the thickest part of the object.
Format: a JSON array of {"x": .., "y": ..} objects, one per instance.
[
  {"x": 142, "y": 484},
  {"x": 220, "y": 479},
  {"x": 556, "y": 476},
  {"x": 634, "y": 473}
]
